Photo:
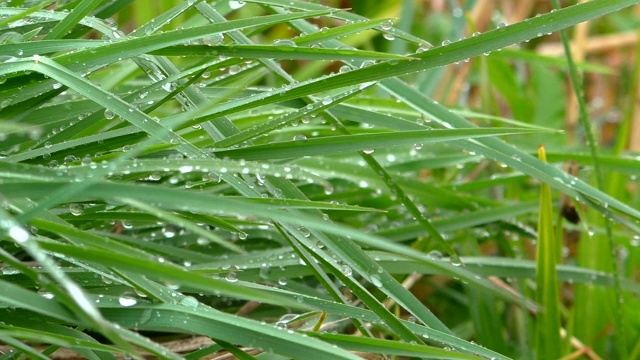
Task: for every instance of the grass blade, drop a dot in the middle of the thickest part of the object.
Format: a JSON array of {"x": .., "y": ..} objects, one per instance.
[{"x": 547, "y": 255}]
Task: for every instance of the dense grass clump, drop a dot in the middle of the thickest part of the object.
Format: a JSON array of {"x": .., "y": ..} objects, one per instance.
[{"x": 283, "y": 179}]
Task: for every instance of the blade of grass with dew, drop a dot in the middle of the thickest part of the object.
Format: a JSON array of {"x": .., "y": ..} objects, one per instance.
[
  {"x": 72, "y": 19},
  {"x": 43, "y": 47},
  {"x": 199, "y": 166},
  {"x": 274, "y": 52},
  {"x": 338, "y": 31},
  {"x": 359, "y": 142},
  {"x": 162, "y": 196}
]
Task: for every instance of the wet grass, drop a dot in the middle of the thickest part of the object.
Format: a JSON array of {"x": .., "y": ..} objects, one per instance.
[{"x": 282, "y": 179}]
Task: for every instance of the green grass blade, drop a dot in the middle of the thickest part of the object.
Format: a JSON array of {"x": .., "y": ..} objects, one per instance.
[
  {"x": 360, "y": 142},
  {"x": 72, "y": 19},
  {"x": 274, "y": 52},
  {"x": 383, "y": 346},
  {"x": 547, "y": 289}
]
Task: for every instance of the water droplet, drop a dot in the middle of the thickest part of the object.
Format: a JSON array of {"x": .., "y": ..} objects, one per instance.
[
  {"x": 387, "y": 25},
  {"x": 304, "y": 231},
  {"x": 46, "y": 294},
  {"x": 285, "y": 42},
  {"x": 346, "y": 270},
  {"x": 264, "y": 272},
  {"x": 212, "y": 40},
  {"x": 281, "y": 324},
  {"x": 108, "y": 114},
  {"x": 127, "y": 299},
  {"x": 169, "y": 231},
  {"x": 86, "y": 160},
  {"x": 231, "y": 277},
  {"x": 185, "y": 169},
  {"x": 367, "y": 63},
  {"x": 328, "y": 189},
  {"x": 76, "y": 209},
  {"x": 236, "y": 4},
  {"x": 18, "y": 234},
  {"x": 455, "y": 260},
  {"x": 155, "y": 176},
  {"x": 375, "y": 280},
  {"x": 423, "y": 48},
  {"x": 282, "y": 281},
  {"x": 69, "y": 159},
  {"x": 300, "y": 137},
  {"x": 368, "y": 151},
  {"x": 189, "y": 301},
  {"x": 561, "y": 181}
]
